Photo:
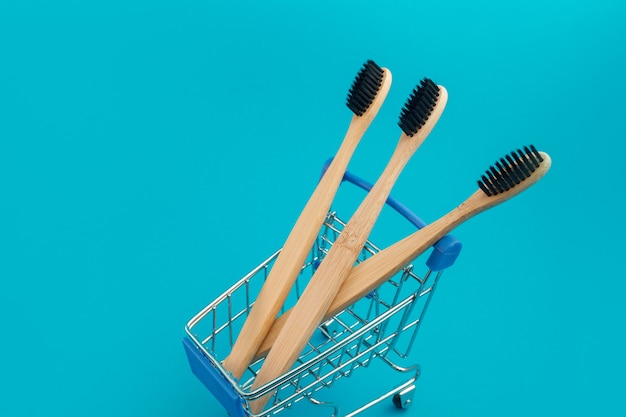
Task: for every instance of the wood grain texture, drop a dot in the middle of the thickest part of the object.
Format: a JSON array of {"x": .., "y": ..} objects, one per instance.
[
  {"x": 375, "y": 271},
  {"x": 299, "y": 242},
  {"x": 324, "y": 286}
]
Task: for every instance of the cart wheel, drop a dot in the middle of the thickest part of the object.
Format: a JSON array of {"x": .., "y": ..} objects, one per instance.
[{"x": 404, "y": 398}]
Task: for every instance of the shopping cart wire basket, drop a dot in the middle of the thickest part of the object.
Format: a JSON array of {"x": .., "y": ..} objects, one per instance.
[{"x": 382, "y": 326}]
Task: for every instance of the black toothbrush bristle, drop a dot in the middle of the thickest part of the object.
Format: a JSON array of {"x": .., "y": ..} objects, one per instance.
[
  {"x": 510, "y": 171},
  {"x": 419, "y": 106},
  {"x": 365, "y": 87}
]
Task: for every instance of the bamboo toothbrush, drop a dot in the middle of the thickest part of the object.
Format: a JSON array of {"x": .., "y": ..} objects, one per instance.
[
  {"x": 511, "y": 175},
  {"x": 366, "y": 96},
  {"x": 418, "y": 118}
]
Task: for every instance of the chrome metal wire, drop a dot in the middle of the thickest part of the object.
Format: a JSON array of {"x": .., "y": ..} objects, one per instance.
[{"x": 352, "y": 339}]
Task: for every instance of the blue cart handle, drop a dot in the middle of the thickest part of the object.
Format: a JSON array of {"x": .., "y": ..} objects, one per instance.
[{"x": 445, "y": 251}]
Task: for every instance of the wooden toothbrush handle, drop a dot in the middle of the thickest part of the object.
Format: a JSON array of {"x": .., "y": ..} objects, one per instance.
[
  {"x": 376, "y": 270},
  {"x": 299, "y": 242},
  {"x": 290, "y": 261}
]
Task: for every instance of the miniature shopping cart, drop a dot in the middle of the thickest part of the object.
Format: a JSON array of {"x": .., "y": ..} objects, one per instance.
[{"x": 382, "y": 326}]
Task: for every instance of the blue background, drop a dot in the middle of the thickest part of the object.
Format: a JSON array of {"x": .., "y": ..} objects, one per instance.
[{"x": 153, "y": 152}]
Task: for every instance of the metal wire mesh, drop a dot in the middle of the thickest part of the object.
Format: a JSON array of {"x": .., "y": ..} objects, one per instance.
[{"x": 382, "y": 325}]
